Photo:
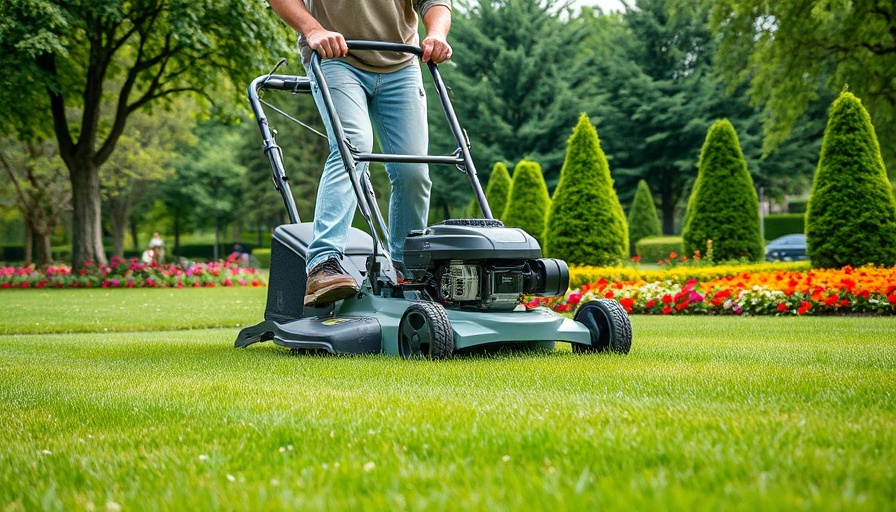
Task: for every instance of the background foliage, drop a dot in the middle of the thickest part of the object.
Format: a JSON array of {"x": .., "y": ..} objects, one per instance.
[{"x": 852, "y": 210}]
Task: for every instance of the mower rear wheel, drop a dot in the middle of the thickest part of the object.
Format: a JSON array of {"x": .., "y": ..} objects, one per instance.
[
  {"x": 426, "y": 332},
  {"x": 610, "y": 327}
]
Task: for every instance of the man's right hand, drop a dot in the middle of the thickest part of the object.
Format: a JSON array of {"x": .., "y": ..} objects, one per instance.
[{"x": 327, "y": 44}]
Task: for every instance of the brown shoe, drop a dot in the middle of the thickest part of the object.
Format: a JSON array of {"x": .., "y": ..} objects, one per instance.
[{"x": 328, "y": 282}]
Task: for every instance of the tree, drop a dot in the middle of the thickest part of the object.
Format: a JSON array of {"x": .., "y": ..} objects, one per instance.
[
  {"x": 789, "y": 50},
  {"x": 41, "y": 192},
  {"x": 516, "y": 92},
  {"x": 723, "y": 207},
  {"x": 586, "y": 224},
  {"x": 497, "y": 192},
  {"x": 209, "y": 180},
  {"x": 529, "y": 201},
  {"x": 642, "y": 219},
  {"x": 145, "y": 155},
  {"x": 58, "y": 55},
  {"x": 851, "y": 217},
  {"x": 661, "y": 98}
]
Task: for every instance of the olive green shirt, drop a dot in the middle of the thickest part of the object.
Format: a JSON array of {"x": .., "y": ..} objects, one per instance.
[{"x": 393, "y": 21}]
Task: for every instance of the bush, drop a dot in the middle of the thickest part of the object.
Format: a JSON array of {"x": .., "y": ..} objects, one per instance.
[
  {"x": 642, "y": 218},
  {"x": 852, "y": 209},
  {"x": 586, "y": 224},
  {"x": 205, "y": 251},
  {"x": 529, "y": 200},
  {"x": 263, "y": 256},
  {"x": 656, "y": 248},
  {"x": 723, "y": 206},
  {"x": 780, "y": 224},
  {"x": 797, "y": 205},
  {"x": 497, "y": 192}
]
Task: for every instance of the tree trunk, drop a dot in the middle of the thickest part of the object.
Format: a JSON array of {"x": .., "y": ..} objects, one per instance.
[
  {"x": 133, "y": 226},
  {"x": 43, "y": 254},
  {"x": 118, "y": 219},
  {"x": 29, "y": 242},
  {"x": 87, "y": 234},
  {"x": 176, "y": 232},
  {"x": 217, "y": 237}
]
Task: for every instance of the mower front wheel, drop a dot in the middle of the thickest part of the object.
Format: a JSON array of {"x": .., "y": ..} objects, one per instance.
[
  {"x": 610, "y": 327},
  {"x": 425, "y": 331}
]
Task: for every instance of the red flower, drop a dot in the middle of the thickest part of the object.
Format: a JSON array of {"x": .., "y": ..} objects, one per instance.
[
  {"x": 667, "y": 299},
  {"x": 831, "y": 300},
  {"x": 804, "y": 307},
  {"x": 627, "y": 303},
  {"x": 844, "y": 303},
  {"x": 892, "y": 299},
  {"x": 782, "y": 307},
  {"x": 636, "y": 258},
  {"x": 667, "y": 310},
  {"x": 681, "y": 305},
  {"x": 650, "y": 303},
  {"x": 673, "y": 255},
  {"x": 574, "y": 298},
  {"x": 609, "y": 294}
]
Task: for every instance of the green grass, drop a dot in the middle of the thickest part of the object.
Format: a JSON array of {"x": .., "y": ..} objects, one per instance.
[
  {"x": 120, "y": 310},
  {"x": 705, "y": 414}
]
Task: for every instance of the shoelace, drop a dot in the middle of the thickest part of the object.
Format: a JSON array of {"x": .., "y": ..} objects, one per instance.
[{"x": 332, "y": 266}]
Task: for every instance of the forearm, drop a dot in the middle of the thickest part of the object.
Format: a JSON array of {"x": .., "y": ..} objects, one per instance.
[
  {"x": 326, "y": 43},
  {"x": 296, "y": 15},
  {"x": 437, "y": 21}
]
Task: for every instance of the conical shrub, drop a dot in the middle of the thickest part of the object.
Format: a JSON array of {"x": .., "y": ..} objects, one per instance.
[
  {"x": 851, "y": 218},
  {"x": 586, "y": 224},
  {"x": 723, "y": 206},
  {"x": 497, "y": 192},
  {"x": 529, "y": 200},
  {"x": 642, "y": 218}
]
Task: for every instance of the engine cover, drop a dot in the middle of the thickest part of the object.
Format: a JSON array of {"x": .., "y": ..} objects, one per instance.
[
  {"x": 467, "y": 239},
  {"x": 480, "y": 264}
]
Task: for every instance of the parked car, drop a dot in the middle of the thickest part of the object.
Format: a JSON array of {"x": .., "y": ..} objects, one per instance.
[{"x": 787, "y": 248}]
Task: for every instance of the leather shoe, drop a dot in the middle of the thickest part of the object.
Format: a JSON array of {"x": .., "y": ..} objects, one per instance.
[{"x": 329, "y": 282}]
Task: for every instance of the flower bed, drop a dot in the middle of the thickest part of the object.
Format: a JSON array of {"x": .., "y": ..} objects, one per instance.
[
  {"x": 121, "y": 273},
  {"x": 709, "y": 290}
]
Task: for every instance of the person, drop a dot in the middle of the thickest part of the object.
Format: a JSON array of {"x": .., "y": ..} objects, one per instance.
[
  {"x": 369, "y": 89},
  {"x": 239, "y": 256},
  {"x": 157, "y": 246},
  {"x": 149, "y": 256}
]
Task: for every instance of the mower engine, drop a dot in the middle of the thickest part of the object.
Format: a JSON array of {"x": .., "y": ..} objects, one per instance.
[{"x": 479, "y": 264}]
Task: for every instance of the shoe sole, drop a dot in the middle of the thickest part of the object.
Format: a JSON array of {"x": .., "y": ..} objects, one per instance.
[{"x": 330, "y": 294}]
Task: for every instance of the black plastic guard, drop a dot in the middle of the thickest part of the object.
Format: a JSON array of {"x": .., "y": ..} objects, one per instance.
[
  {"x": 263, "y": 331},
  {"x": 336, "y": 335}
]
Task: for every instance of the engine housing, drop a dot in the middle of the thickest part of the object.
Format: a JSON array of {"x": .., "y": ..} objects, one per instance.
[{"x": 480, "y": 264}]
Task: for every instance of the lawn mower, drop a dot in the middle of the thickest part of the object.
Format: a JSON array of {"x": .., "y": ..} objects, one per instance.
[{"x": 462, "y": 281}]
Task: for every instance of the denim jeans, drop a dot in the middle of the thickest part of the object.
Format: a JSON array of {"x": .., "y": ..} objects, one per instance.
[{"x": 393, "y": 104}]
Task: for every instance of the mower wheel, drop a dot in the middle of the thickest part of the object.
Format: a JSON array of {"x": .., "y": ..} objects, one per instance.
[
  {"x": 425, "y": 331},
  {"x": 611, "y": 329}
]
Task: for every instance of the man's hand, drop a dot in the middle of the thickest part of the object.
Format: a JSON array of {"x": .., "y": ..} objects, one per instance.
[
  {"x": 327, "y": 44},
  {"x": 435, "y": 49}
]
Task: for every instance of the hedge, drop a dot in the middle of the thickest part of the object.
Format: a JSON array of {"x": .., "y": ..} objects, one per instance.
[
  {"x": 780, "y": 224},
  {"x": 656, "y": 248}
]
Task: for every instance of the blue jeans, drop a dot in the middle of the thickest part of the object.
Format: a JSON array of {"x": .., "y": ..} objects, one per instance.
[{"x": 394, "y": 105}]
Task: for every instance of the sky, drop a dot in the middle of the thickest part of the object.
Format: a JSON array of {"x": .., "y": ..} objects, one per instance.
[{"x": 606, "y": 5}]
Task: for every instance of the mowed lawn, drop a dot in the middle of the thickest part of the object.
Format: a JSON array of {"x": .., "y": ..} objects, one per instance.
[{"x": 137, "y": 400}]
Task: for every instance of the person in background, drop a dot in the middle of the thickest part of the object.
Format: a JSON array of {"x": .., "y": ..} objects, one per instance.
[
  {"x": 369, "y": 89},
  {"x": 157, "y": 245}
]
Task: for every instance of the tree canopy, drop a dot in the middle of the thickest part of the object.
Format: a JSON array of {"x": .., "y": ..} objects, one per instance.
[
  {"x": 790, "y": 50},
  {"x": 58, "y": 55}
]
